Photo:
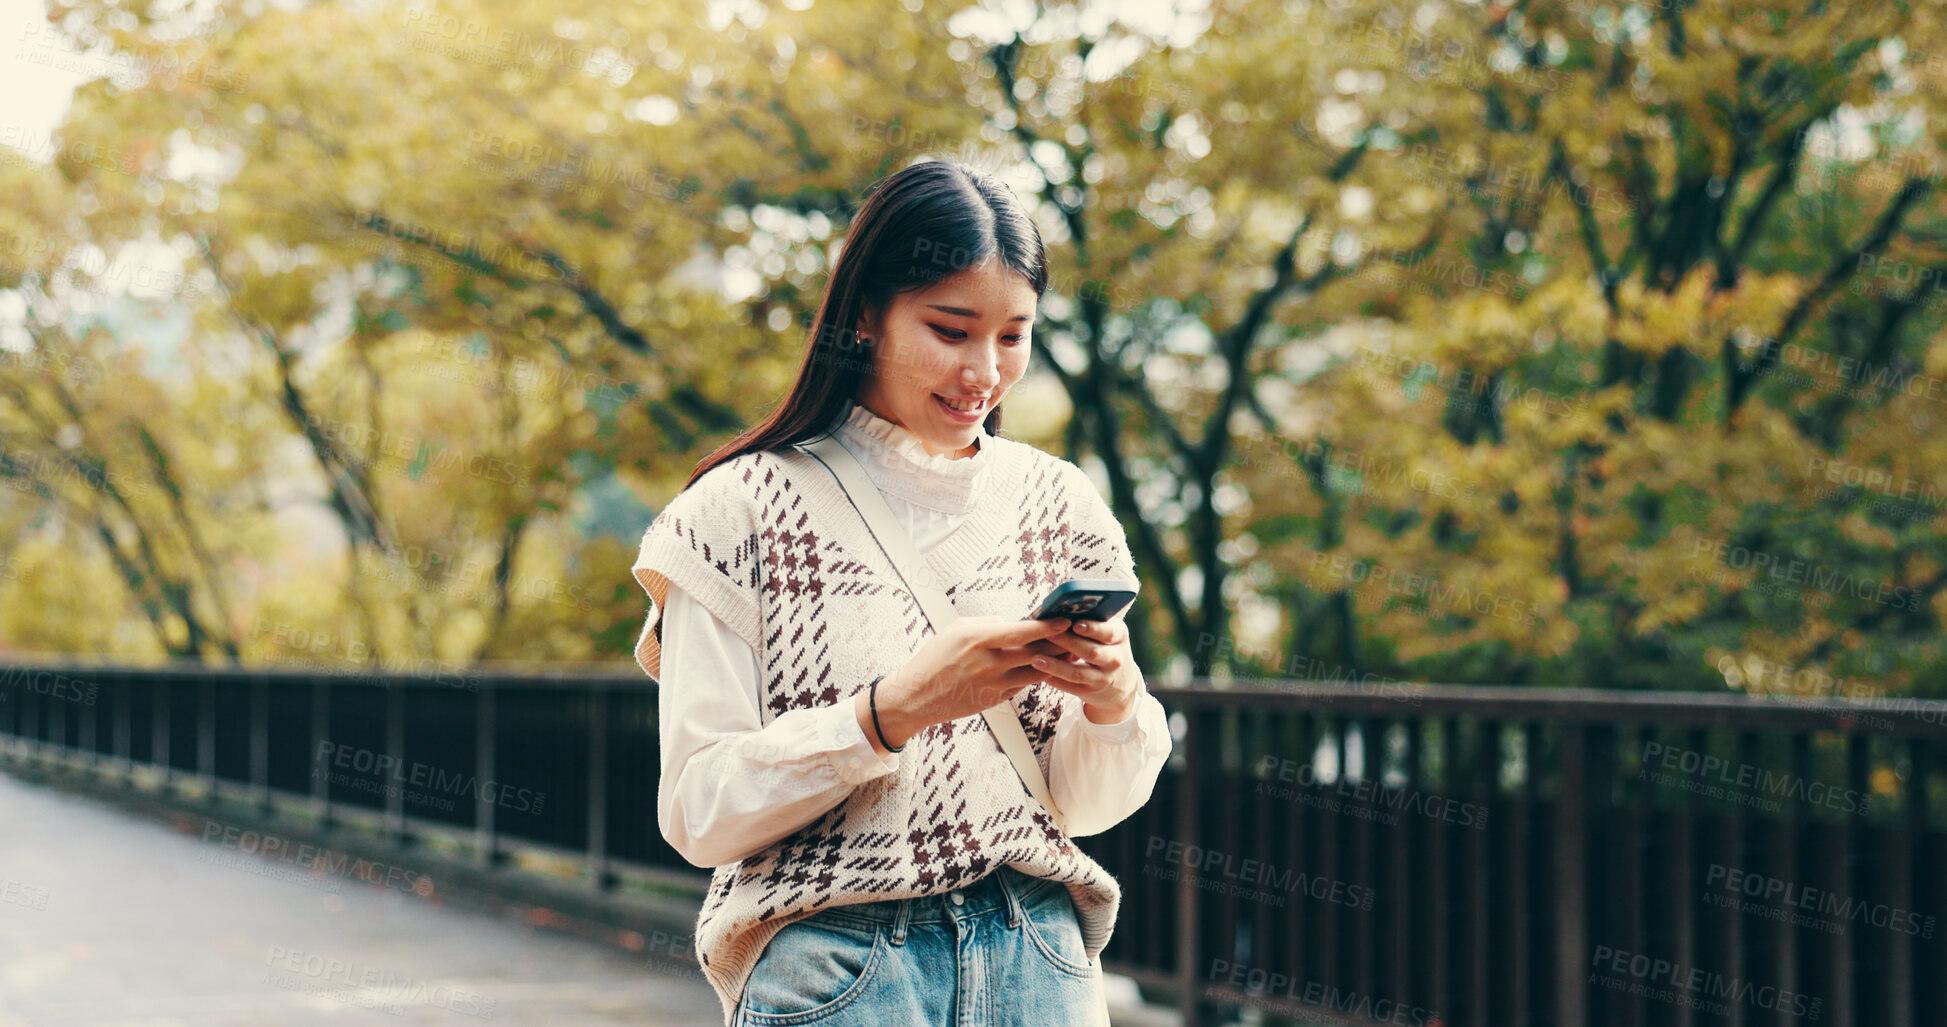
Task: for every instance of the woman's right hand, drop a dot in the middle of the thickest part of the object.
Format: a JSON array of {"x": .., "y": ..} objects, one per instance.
[{"x": 975, "y": 663}]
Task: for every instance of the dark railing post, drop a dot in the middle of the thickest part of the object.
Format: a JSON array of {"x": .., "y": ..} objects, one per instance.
[
  {"x": 124, "y": 751},
  {"x": 1189, "y": 826},
  {"x": 1522, "y": 970},
  {"x": 1442, "y": 913},
  {"x": 1364, "y": 940},
  {"x": 206, "y": 736},
  {"x": 260, "y": 744},
  {"x": 40, "y": 728},
  {"x": 27, "y": 730},
  {"x": 159, "y": 736},
  {"x": 9, "y": 712},
  {"x": 483, "y": 749},
  {"x": 1407, "y": 900},
  {"x": 1331, "y": 961},
  {"x": 57, "y": 729},
  {"x": 85, "y": 737},
  {"x": 1300, "y": 744},
  {"x": 1854, "y": 841},
  {"x": 1787, "y": 849},
  {"x": 13, "y": 713},
  {"x": 599, "y": 871},
  {"x": 395, "y": 750},
  {"x": 320, "y": 732},
  {"x": 1683, "y": 882},
  {"x": 1572, "y": 898},
  {"x": 1898, "y": 864},
  {"x": 1918, "y": 808},
  {"x": 1738, "y": 851},
  {"x": 1609, "y": 842},
  {"x": 1930, "y": 965},
  {"x": 1480, "y": 887}
]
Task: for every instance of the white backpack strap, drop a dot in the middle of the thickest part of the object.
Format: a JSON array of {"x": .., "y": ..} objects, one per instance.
[
  {"x": 1014, "y": 742},
  {"x": 920, "y": 580}
]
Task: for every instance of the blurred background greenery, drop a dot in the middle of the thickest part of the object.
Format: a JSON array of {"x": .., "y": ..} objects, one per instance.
[{"x": 1553, "y": 343}]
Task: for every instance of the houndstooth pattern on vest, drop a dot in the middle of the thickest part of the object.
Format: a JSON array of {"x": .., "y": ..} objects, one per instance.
[{"x": 771, "y": 545}]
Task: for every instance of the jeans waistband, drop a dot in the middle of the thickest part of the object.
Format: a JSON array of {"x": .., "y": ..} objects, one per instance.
[{"x": 1004, "y": 890}]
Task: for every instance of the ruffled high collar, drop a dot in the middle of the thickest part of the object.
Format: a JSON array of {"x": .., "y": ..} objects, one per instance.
[{"x": 899, "y": 464}]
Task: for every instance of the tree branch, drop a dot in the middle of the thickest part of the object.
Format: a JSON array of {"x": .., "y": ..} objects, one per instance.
[
  {"x": 1742, "y": 377},
  {"x": 1783, "y": 174},
  {"x": 212, "y": 576}
]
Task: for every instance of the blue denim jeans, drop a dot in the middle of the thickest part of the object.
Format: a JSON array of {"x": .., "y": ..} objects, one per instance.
[{"x": 1004, "y": 951}]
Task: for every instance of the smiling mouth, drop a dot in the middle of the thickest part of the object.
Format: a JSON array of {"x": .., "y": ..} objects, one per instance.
[{"x": 962, "y": 406}]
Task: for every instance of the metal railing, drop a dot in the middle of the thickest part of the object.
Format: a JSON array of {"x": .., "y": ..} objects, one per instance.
[
  {"x": 1515, "y": 856},
  {"x": 1463, "y": 856}
]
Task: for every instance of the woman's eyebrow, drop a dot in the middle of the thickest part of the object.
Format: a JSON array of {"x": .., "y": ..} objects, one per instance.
[{"x": 964, "y": 312}]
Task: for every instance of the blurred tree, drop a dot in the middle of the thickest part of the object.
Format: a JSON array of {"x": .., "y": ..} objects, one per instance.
[
  {"x": 1447, "y": 341},
  {"x": 1561, "y": 448}
]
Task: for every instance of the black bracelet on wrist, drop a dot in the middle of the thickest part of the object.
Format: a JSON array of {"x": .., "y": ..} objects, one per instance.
[{"x": 872, "y": 700}]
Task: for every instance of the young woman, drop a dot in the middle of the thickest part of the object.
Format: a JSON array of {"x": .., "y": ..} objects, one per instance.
[{"x": 878, "y": 858}]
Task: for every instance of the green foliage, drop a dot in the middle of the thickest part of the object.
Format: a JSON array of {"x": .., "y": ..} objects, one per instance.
[{"x": 1557, "y": 343}]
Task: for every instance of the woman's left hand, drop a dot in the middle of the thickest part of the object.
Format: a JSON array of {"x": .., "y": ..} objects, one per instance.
[{"x": 1094, "y": 663}]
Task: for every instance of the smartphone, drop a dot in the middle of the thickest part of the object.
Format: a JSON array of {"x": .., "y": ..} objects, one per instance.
[{"x": 1087, "y": 599}]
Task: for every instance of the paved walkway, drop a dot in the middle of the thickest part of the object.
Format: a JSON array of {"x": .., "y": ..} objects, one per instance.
[{"x": 115, "y": 920}]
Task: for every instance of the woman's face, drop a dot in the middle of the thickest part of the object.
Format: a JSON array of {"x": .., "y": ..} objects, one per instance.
[{"x": 964, "y": 339}]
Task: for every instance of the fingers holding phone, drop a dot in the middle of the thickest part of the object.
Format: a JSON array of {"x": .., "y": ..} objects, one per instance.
[
  {"x": 1092, "y": 660},
  {"x": 973, "y": 664}
]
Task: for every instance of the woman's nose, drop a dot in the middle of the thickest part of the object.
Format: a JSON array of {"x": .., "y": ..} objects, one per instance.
[{"x": 982, "y": 374}]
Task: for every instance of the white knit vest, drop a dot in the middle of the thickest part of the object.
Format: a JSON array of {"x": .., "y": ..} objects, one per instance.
[{"x": 770, "y": 544}]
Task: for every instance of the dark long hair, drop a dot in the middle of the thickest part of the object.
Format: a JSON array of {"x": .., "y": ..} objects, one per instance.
[{"x": 917, "y": 226}]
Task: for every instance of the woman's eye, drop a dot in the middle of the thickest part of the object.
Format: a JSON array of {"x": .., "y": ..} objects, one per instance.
[{"x": 956, "y": 334}]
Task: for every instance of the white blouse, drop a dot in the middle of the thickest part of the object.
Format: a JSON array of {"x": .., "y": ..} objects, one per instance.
[{"x": 732, "y": 784}]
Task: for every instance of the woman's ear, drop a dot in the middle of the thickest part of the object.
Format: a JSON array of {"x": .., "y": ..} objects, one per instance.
[{"x": 871, "y": 322}]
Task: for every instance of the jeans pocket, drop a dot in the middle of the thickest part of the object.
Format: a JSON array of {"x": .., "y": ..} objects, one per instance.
[
  {"x": 1051, "y": 923},
  {"x": 812, "y": 969}
]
